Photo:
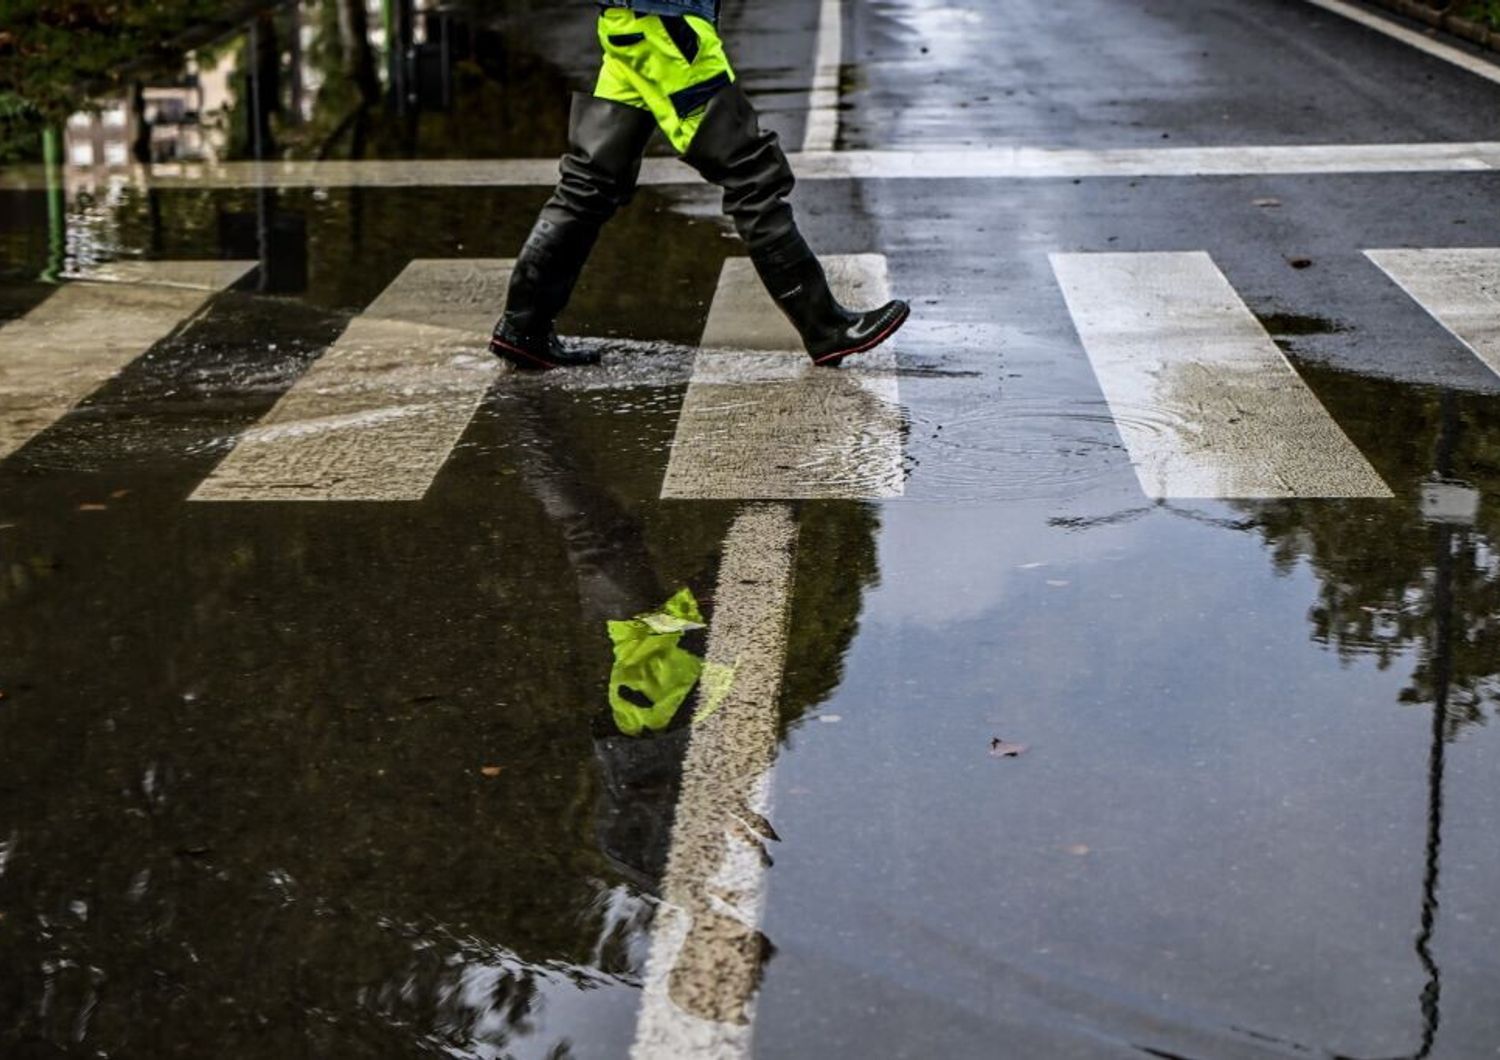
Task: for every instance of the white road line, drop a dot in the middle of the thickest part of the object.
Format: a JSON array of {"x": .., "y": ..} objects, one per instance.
[
  {"x": 87, "y": 331},
  {"x": 1459, "y": 287},
  {"x": 1206, "y": 403},
  {"x": 1447, "y": 52},
  {"x": 759, "y": 422},
  {"x": 1035, "y": 163},
  {"x": 996, "y": 163},
  {"x": 823, "y": 100},
  {"x": 377, "y": 415},
  {"x": 707, "y": 953}
]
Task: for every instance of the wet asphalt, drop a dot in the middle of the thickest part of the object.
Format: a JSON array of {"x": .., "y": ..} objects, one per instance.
[{"x": 324, "y": 779}]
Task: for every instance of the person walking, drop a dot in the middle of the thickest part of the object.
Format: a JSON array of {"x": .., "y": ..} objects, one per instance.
[{"x": 665, "y": 66}]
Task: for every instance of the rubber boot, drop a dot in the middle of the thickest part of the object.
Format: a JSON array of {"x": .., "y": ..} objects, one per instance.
[
  {"x": 731, "y": 150},
  {"x": 599, "y": 175},
  {"x": 830, "y": 332}
]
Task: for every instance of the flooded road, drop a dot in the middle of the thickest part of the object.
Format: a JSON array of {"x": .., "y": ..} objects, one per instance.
[{"x": 1105, "y": 670}]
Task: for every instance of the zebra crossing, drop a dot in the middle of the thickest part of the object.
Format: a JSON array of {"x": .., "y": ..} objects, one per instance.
[
  {"x": 704, "y": 967},
  {"x": 86, "y": 332},
  {"x": 759, "y": 422},
  {"x": 1459, "y": 287},
  {"x": 1204, "y": 401},
  {"x": 376, "y": 416}
]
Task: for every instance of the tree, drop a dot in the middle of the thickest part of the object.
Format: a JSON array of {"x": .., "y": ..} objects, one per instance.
[{"x": 55, "y": 55}]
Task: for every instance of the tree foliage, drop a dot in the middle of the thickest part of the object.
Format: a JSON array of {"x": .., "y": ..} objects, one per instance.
[
  {"x": 1483, "y": 11},
  {"x": 57, "y": 54}
]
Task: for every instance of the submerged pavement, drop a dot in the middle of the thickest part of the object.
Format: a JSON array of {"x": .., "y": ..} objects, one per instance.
[{"x": 1102, "y": 669}]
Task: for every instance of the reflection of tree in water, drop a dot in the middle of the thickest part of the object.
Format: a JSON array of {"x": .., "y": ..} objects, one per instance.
[
  {"x": 1392, "y": 583},
  {"x": 460, "y": 993},
  {"x": 1414, "y": 576},
  {"x": 836, "y": 565},
  {"x": 1378, "y": 593}
]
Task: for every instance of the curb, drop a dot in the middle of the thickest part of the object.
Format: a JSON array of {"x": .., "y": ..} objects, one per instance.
[{"x": 1439, "y": 18}]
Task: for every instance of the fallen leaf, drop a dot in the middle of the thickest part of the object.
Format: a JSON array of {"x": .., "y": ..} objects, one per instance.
[
  {"x": 1300, "y": 263},
  {"x": 93, "y": 507},
  {"x": 491, "y": 771},
  {"x": 1266, "y": 204},
  {"x": 1002, "y": 749}
]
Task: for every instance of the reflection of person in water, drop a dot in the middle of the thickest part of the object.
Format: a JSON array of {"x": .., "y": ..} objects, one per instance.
[
  {"x": 652, "y": 679},
  {"x": 653, "y": 674},
  {"x": 655, "y": 660},
  {"x": 655, "y": 635}
]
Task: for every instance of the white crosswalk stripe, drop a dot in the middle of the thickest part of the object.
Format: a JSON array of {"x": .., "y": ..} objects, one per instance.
[
  {"x": 1019, "y": 162},
  {"x": 757, "y": 422},
  {"x": 85, "y": 332},
  {"x": 1206, "y": 403},
  {"x": 760, "y": 422},
  {"x": 377, "y": 415},
  {"x": 822, "y": 131},
  {"x": 1459, "y": 287},
  {"x": 704, "y": 965}
]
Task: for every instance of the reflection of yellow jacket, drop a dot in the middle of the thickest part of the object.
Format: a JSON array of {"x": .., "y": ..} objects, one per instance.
[{"x": 653, "y": 674}]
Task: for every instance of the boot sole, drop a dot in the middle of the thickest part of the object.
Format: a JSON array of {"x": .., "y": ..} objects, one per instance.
[
  {"x": 831, "y": 360},
  {"x": 526, "y": 361},
  {"x": 522, "y": 359}
]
